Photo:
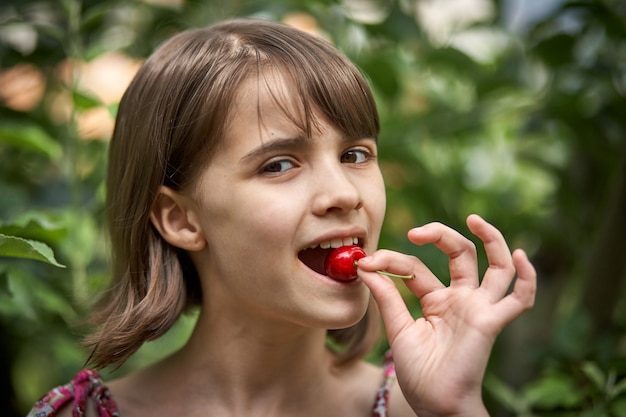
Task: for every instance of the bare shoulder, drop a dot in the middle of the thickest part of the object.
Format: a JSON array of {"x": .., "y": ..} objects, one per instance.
[{"x": 65, "y": 411}]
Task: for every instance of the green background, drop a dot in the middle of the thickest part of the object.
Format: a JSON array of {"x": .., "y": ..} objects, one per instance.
[{"x": 515, "y": 110}]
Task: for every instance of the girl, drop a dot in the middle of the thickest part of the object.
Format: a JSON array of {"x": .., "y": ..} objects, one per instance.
[{"x": 242, "y": 154}]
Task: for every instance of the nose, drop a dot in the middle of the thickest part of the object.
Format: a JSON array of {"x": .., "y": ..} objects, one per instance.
[{"x": 335, "y": 191}]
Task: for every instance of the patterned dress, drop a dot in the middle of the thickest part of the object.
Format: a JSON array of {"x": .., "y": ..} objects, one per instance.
[{"x": 88, "y": 384}]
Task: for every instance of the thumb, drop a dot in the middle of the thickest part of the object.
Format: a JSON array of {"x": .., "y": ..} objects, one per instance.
[{"x": 393, "y": 310}]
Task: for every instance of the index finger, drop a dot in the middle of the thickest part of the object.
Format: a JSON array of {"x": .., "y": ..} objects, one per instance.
[{"x": 461, "y": 251}]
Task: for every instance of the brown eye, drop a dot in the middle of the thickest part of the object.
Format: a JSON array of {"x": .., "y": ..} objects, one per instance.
[
  {"x": 276, "y": 167},
  {"x": 355, "y": 156}
]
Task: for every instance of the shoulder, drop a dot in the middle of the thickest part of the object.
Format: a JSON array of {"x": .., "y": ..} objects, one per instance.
[{"x": 85, "y": 396}]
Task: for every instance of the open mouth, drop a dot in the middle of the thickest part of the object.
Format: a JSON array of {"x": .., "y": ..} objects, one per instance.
[{"x": 315, "y": 257}]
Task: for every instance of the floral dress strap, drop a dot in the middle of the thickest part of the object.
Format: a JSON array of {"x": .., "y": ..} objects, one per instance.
[
  {"x": 381, "y": 404},
  {"x": 85, "y": 385}
]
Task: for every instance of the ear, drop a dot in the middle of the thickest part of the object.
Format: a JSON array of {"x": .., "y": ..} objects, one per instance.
[{"x": 176, "y": 223}]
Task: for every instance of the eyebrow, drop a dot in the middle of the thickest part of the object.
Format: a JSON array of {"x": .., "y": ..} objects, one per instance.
[
  {"x": 276, "y": 145},
  {"x": 289, "y": 143}
]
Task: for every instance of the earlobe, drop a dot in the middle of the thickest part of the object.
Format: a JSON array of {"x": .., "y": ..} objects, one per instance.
[{"x": 172, "y": 218}]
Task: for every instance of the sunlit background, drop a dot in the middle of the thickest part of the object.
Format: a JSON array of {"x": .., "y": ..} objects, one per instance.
[{"x": 513, "y": 109}]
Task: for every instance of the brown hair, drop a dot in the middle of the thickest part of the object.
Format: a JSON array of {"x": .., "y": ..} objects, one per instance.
[{"x": 170, "y": 121}]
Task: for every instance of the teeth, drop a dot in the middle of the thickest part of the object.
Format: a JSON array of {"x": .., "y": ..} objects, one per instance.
[{"x": 337, "y": 243}]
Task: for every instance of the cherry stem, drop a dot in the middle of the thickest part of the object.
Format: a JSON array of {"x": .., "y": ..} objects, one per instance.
[{"x": 389, "y": 274}]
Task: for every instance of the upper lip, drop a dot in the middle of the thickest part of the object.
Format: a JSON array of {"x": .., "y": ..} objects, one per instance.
[{"x": 346, "y": 238}]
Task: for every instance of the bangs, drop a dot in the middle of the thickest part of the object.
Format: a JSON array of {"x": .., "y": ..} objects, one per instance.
[
  {"x": 322, "y": 81},
  {"x": 336, "y": 95}
]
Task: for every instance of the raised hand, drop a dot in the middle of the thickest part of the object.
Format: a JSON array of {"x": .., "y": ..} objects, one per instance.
[{"x": 441, "y": 357}]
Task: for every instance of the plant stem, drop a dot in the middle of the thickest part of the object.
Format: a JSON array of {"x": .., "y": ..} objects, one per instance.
[
  {"x": 389, "y": 274},
  {"x": 392, "y": 275}
]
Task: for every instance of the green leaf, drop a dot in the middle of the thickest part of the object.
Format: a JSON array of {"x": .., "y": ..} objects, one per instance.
[
  {"x": 17, "y": 247},
  {"x": 595, "y": 375},
  {"x": 506, "y": 396},
  {"x": 556, "y": 50},
  {"x": 85, "y": 101},
  {"x": 5, "y": 292},
  {"x": 553, "y": 391},
  {"x": 36, "y": 225},
  {"x": 619, "y": 388},
  {"x": 384, "y": 76},
  {"x": 30, "y": 137}
]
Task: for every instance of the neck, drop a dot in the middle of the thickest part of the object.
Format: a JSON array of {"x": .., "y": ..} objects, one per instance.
[{"x": 253, "y": 365}]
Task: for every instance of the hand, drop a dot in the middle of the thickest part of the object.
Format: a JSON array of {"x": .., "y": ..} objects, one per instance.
[{"x": 441, "y": 358}]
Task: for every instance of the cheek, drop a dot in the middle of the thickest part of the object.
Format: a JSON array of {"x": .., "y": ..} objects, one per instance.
[
  {"x": 376, "y": 206},
  {"x": 246, "y": 246},
  {"x": 378, "y": 198},
  {"x": 251, "y": 218}
]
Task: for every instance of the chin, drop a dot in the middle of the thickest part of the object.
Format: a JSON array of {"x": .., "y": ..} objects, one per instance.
[
  {"x": 345, "y": 317},
  {"x": 335, "y": 310}
]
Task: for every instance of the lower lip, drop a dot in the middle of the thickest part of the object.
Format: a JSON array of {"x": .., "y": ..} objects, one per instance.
[
  {"x": 350, "y": 282},
  {"x": 326, "y": 278}
]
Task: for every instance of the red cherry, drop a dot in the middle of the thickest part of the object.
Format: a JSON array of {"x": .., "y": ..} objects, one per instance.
[{"x": 340, "y": 262}]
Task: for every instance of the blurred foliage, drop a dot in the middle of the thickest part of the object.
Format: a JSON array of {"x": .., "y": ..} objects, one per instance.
[{"x": 523, "y": 122}]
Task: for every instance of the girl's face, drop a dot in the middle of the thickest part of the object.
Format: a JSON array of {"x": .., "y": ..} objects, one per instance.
[{"x": 270, "y": 200}]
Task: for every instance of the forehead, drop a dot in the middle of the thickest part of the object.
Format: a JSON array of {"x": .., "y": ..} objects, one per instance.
[
  {"x": 306, "y": 95},
  {"x": 273, "y": 95}
]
